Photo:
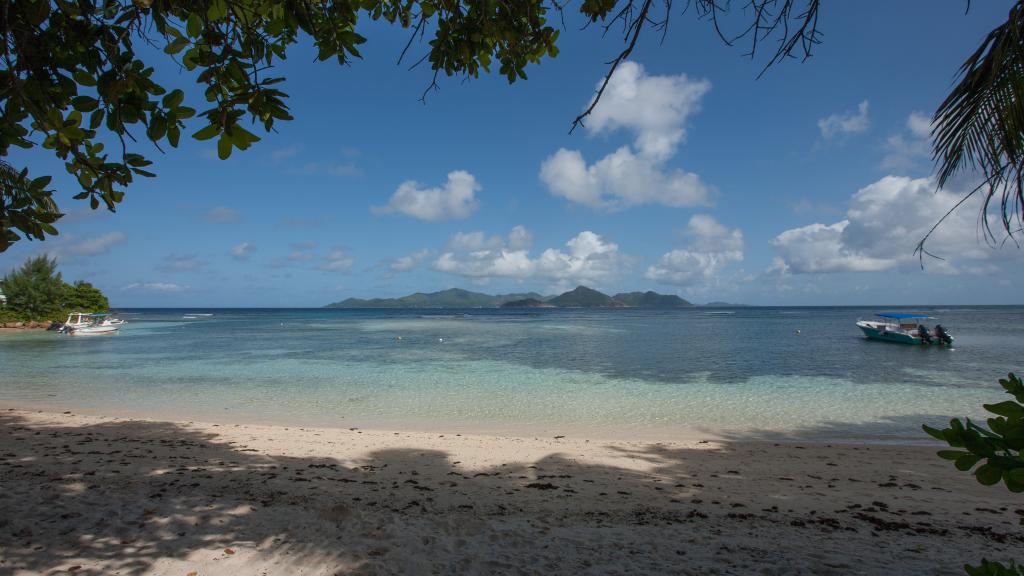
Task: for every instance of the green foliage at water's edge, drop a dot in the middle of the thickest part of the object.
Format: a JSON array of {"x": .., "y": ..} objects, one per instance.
[{"x": 36, "y": 292}]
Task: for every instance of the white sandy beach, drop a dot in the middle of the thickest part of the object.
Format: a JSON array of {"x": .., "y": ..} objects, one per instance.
[{"x": 103, "y": 495}]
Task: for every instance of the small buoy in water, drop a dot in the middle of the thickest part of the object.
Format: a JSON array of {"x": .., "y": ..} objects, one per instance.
[
  {"x": 798, "y": 332},
  {"x": 398, "y": 338}
]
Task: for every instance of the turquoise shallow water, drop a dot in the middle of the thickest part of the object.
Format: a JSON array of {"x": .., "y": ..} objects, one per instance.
[{"x": 741, "y": 372}]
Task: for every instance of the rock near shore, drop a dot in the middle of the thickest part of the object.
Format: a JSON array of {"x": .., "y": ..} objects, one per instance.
[{"x": 27, "y": 325}]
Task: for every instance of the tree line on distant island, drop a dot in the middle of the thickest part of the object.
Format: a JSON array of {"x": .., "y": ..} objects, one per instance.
[
  {"x": 580, "y": 297},
  {"x": 37, "y": 293}
]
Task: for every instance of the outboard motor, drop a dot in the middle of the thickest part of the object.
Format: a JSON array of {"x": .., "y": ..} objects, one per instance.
[
  {"x": 922, "y": 332},
  {"x": 942, "y": 335}
]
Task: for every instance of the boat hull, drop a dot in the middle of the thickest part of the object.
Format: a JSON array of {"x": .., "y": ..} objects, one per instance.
[
  {"x": 93, "y": 330},
  {"x": 886, "y": 336}
]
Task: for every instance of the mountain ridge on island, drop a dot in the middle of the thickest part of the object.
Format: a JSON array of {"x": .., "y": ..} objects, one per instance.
[
  {"x": 583, "y": 297},
  {"x": 579, "y": 297},
  {"x": 651, "y": 299},
  {"x": 450, "y": 298},
  {"x": 528, "y": 303}
]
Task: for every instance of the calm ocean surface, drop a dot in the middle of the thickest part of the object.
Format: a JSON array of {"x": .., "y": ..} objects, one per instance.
[{"x": 740, "y": 372}]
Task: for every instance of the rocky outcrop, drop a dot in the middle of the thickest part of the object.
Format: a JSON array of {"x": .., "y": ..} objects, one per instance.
[{"x": 29, "y": 325}]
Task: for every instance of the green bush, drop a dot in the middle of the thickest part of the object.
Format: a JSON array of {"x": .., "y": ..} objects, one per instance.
[
  {"x": 997, "y": 448},
  {"x": 35, "y": 289},
  {"x": 36, "y": 292},
  {"x": 84, "y": 297},
  {"x": 987, "y": 568},
  {"x": 8, "y": 315},
  {"x": 998, "y": 445}
]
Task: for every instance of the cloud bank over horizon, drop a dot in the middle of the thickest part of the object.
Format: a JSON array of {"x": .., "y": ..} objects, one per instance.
[
  {"x": 587, "y": 257},
  {"x": 883, "y": 224},
  {"x": 710, "y": 248}
]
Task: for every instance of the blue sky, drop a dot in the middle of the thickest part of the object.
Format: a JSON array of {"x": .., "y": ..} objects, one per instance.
[{"x": 810, "y": 185}]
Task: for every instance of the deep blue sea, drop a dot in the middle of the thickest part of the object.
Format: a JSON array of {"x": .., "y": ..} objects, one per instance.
[{"x": 735, "y": 372}]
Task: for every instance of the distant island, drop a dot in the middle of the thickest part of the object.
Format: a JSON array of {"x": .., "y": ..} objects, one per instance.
[
  {"x": 579, "y": 297},
  {"x": 451, "y": 298}
]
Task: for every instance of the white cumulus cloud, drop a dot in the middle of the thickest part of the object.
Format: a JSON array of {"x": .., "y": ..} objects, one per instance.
[
  {"x": 620, "y": 179},
  {"x": 710, "y": 248},
  {"x": 655, "y": 109},
  {"x": 907, "y": 149},
  {"x": 456, "y": 199},
  {"x": 919, "y": 124},
  {"x": 820, "y": 248},
  {"x": 845, "y": 123},
  {"x": 883, "y": 225},
  {"x": 587, "y": 257}
]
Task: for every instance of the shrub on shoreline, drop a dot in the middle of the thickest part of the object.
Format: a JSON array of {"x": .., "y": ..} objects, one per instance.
[{"x": 36, "y": 293}]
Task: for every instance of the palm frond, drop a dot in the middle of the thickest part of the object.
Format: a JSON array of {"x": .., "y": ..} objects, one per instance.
[{"x": 980, "y": 125}]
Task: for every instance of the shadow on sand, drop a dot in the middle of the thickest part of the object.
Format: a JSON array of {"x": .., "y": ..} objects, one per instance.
[{"x": 134, "y": 497}]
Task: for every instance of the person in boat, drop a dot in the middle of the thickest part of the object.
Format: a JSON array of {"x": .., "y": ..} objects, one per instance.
[
  {"x": 942, "y": 335},
  {"x": 922, "y": 333}
]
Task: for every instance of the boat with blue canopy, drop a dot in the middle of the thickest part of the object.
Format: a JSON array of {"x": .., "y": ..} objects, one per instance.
[{"x": 905, "y": 328}]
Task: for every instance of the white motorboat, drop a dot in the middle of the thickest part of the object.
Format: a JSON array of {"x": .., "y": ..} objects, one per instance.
[
  {"x": 85, "y": 324},
  {"x": 904, "y": 329}
]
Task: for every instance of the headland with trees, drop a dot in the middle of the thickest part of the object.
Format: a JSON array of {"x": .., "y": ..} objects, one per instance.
[{"x": 36, "y": 295}]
